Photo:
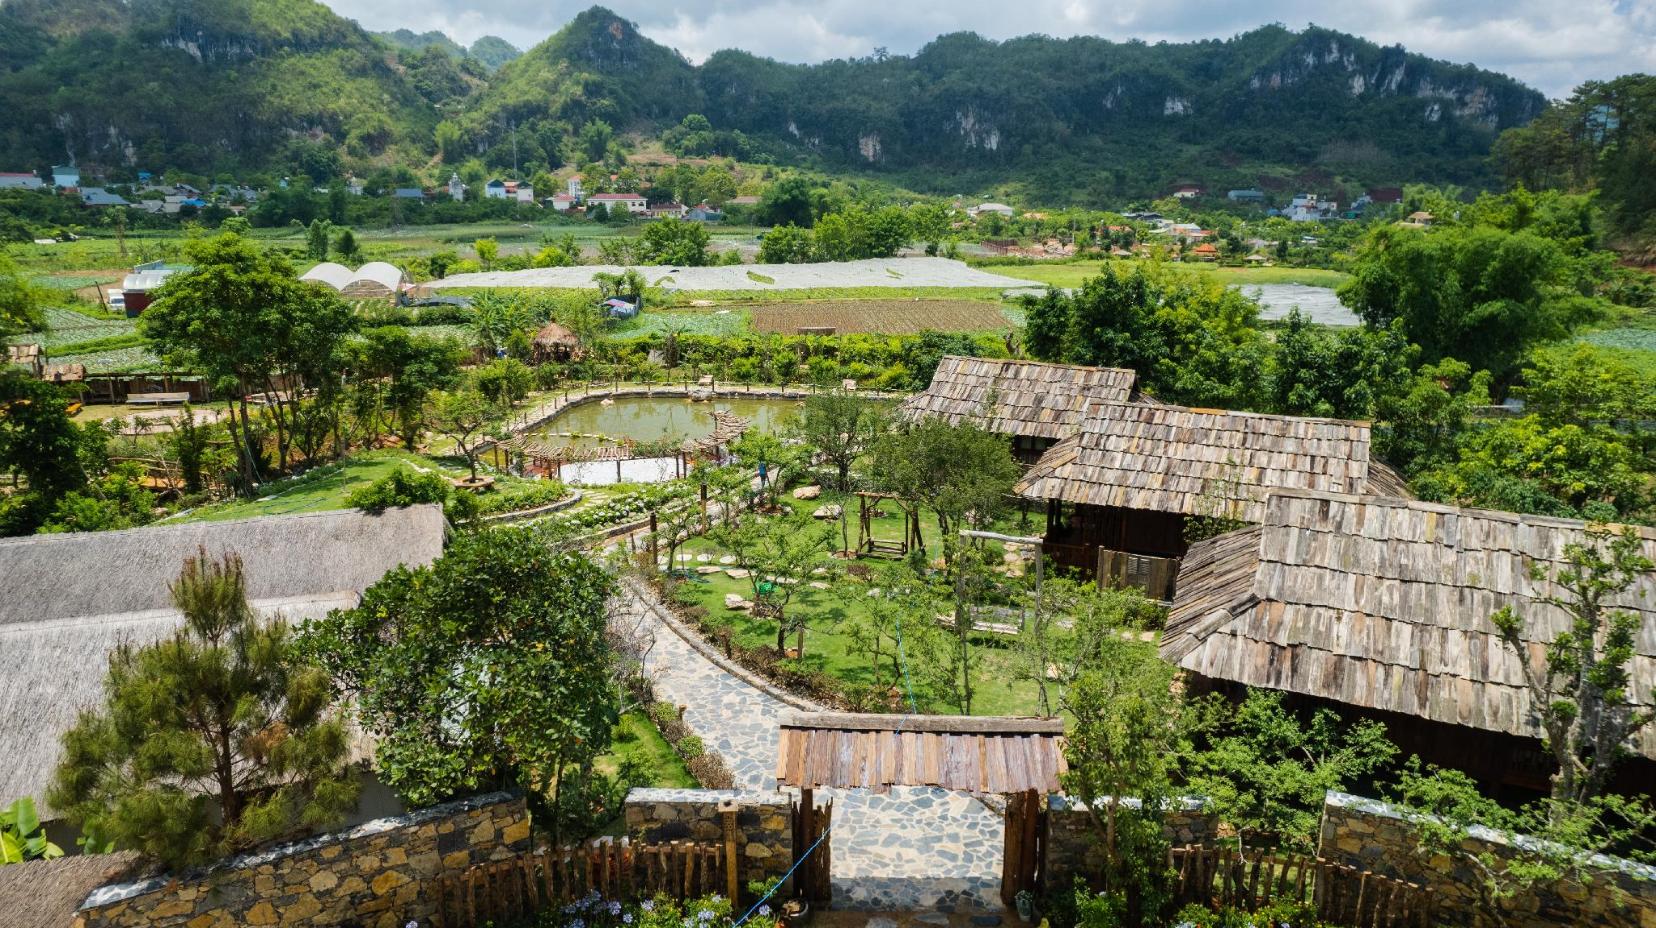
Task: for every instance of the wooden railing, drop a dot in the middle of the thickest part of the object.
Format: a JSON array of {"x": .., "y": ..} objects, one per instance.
[
  {"x": 614, "y": 868},
  {"x": 1342, "y": 895}
]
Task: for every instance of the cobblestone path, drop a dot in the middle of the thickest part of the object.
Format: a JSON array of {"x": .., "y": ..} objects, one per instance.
[{"x": 910, "y": 848}]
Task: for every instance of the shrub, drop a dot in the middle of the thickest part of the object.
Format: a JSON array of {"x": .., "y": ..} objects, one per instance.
[
  {"x": 690, "y": 747},
  {"x": 402, "y": 487}
]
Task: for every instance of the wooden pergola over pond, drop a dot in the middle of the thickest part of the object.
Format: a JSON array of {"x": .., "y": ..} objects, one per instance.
[{"x": 1022, "y": 758}]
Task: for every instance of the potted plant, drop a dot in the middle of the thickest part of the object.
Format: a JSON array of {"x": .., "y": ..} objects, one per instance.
[{"x": 1025, "y": 903}]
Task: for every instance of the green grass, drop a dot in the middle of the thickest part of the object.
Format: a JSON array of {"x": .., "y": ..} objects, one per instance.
[
  {"x": 636, "y": 738},
  {"x": 828, "y": 646},
  {"x": 328, "y": 486},
  {"x": 700, "y": 321},
  {"x": 1071, "y": 274}
]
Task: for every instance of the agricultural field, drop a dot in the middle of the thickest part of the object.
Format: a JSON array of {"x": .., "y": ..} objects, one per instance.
[
  {"x": 67, "y": 327},
  {"x": 1072, "y": 273},
  {"x": 886, "y": 317}
]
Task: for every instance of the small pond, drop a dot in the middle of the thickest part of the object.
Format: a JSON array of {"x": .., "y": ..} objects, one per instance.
[
  {"x": 647, "y": 420},
  {"x": 1319, "y": 303}
]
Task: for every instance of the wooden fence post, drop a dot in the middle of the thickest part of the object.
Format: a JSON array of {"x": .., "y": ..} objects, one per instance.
[{"x": 727, "y": 820}]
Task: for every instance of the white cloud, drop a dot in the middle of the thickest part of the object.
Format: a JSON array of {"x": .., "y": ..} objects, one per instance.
[{"x": 1550, "y": 45}]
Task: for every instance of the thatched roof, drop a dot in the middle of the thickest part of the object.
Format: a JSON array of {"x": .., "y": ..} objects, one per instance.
[
  {"x": 977, "y": 754},
  {"x": 1029, "y": 398},
  {"x": 1384, "y": 604},
  {"x": 553, "y": 334},
  {"x": 67, "y": 600},
  {"x": 47, "y": 893},
  {"x": 1201, "y": 461}
]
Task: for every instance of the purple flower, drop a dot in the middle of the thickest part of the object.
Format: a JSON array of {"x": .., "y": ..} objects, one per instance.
[
  {"x": 626, "y": 919},
  {"x": 647, "y": 905},
  {"x": 577, "y": 923},
  {"x": 615, "y": 908},
  {"x": 764, "y": 910},
  {"x": 703, "y": 915}
]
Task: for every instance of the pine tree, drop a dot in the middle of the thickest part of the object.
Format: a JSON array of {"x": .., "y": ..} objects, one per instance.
[{"x": 210, "y": 741}]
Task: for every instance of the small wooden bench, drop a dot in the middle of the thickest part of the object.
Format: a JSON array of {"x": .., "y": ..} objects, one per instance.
[{"x": 157, "y": 399}]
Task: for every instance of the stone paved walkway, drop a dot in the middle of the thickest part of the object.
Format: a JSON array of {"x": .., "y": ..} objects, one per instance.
[{"x": 912, "y": 848}]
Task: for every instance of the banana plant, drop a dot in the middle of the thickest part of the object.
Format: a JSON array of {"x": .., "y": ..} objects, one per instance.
[{"x": 21, "y": 837}]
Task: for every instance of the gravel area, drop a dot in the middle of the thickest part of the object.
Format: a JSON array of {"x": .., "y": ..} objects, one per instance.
[{"x": 878, "y": 272}]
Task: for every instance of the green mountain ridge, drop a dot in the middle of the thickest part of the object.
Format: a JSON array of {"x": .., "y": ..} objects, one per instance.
[
  {"x": 491, "y": 51},
  {"x": 272, "y": 82}
]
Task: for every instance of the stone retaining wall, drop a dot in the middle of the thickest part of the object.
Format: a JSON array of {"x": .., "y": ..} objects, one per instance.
[
  {"x": 764, "y": 826},
  {"x": 374, "y": 874},
  {"x": 1073, "y": 848},
  {"x": 1379, "y": 837}
]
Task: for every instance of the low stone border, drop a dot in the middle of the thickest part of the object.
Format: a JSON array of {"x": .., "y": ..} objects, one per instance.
[{"x": 647, "y": 597}]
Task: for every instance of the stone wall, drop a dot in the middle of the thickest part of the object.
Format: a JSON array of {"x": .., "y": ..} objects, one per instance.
[
  {"x": 1379, "y": 837},
  {"x": 374, "y": 875},
  {"x": 1073, "y": 848},
  {"x": 764, "y": 826}
]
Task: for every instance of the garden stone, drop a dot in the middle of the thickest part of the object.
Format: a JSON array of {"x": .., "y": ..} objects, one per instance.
[
  {"x": 819, "y": 585},
  {"x": 706, "y": 569},
  {"x": 738, "y": 573},
  {"x": 932, "y": 918},
  {"x": 704, "y": 558},
  {"x": 830, "y": 511},
  {"x": 735, "y": 602},
  {"x": 728, "y": 559},
  {"x": 807, "y": 492}
]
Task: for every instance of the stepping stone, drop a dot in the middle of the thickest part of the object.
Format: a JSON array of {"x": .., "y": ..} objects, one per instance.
[
  {"x": 735, "y": 603},
  {"x": 819, "y": 585},
  {"x": 706, "y": 569},
  {"x": 880, "y": 921},
  {"x": 819, "y": 571},
  {"x": 738, "y": 573},
  {"x": 932, "y": 918},
  {"x": 830, "y": 511},
  {"x": 807, "y": 493},
  {"x": 704, "y": 558},
  {"x": 728, "y": 559}
]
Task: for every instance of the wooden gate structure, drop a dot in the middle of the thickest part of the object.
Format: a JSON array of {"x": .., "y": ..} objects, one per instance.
[
  {"x": 1019, "y": 757},
  {"x": 813, "y": 848},
  {"x": 1025, "y": 851},
  {"x": 868, "y": 544}
]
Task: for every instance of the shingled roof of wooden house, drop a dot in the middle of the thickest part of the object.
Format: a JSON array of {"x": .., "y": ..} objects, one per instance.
[
  {"x": 1031, "y": 398},
  {"x": 1196, "y": 461},
  {"x": 1384, "y": 604}
]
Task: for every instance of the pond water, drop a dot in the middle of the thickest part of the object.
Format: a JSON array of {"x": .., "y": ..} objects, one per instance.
[
  {"x": 648, "y": 419},
  {"x": 657, "y": 419},
  {"x": 1320, "y": 303}
]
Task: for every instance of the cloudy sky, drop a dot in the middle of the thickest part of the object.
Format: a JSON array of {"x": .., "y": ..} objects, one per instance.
[{"x": 1551, "y": 44}]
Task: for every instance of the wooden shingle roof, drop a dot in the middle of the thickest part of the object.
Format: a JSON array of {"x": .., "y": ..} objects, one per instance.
[
  {"x": 974, "y": 754},
  {"x": 1030, "y": 398},
  {"x": 1184, "y": 460},
  {"x": 1385, "y": 604}
]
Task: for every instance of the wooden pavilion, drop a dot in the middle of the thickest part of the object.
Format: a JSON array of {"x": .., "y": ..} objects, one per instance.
[
  {"x": 1034, "y": 402},
  {"x": 1121, "y": 491},
  {"x": 1379, "y": 608}
]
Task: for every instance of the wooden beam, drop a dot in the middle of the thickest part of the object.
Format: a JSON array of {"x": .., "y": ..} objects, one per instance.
[{"x": 943, "y": 724}]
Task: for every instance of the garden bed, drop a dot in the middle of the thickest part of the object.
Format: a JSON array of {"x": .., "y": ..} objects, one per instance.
[{"x": 887, "y": 317}]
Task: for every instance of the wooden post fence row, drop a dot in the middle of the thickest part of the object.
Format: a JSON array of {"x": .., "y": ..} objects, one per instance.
[
  {"x": 614, "y": 868},
  {"x": 1224, "y": 877}
]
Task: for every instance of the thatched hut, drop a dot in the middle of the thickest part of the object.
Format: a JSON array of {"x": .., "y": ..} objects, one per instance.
[
  {"x": 1135, "y": 474},
  {"x": 1379, "y": 608},
  {"x": 49, "y": 893},
  {"x": 555, "y": 342},
  {"x": 67, "y": 600},
  {"x": 1034, "y": 402}
]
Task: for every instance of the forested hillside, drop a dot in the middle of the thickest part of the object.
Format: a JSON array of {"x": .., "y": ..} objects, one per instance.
[{"x": 224, "y": 85}]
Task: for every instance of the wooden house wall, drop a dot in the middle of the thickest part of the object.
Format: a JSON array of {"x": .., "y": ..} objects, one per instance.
[{"x": 1137, "y": 531}]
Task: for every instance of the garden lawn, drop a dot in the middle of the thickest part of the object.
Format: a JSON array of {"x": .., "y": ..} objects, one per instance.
[
  {"x": 828, "y": 646},
  {"x": 636, "y": 738},
  {"x": 328, "y": 486}
]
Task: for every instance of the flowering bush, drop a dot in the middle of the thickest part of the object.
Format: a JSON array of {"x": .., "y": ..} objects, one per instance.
[{"x": 594, "y": 911}]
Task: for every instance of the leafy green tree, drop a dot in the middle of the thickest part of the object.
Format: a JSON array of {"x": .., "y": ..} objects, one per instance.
[
  {"x": 788, "y": 244},
  {"x": 840, "y": 427},
  {"x": 347, "y": 246},
  {"x": 402, "y": 487},
  {"x": 778, "y": 553},
  {"x": 242, "y": 316},
  {"x": 316, "y": 240},
  {"x": 39, "y": 441},
  {"x": 964, "y": 473},
  {"x": 404, "y": 369},
  {"x": 19, "y": 301},
  {"x": 210, "y": 741},
  {"x": 1479, "y": 294},
  {"x": 1522, "y": 465},
  {"x": 674, "y": 241},
  {"x": 897, "y": 633},
  {"x": 1422, "y": 424},
  {"x": 1123, "y": 748},
  {"x": 594, "y": 139},
  {"x": 787, "y": 202},
  {"x": 488, "y": 251},
  {"x": 1579, "y": 688},
  {"x": 497, "y": 321},
  {"x": 1344, "y": 374},
  {"x": 504, "y": 381},
  {"x": 1267, "y": 771},
  {"x": 465, "y": 417},
  {"x": 487, "y": 668}
]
